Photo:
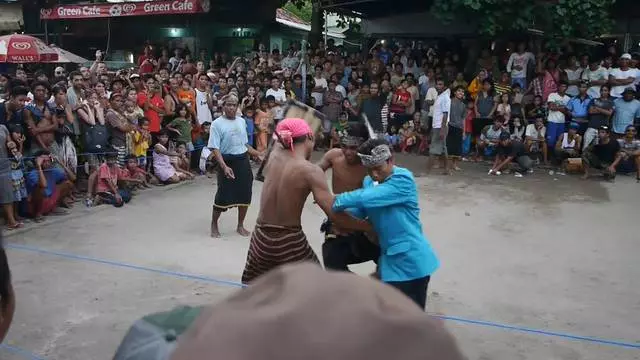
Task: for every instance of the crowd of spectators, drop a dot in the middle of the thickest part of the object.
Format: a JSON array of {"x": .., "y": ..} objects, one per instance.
[{"x": 116, "y": 131}]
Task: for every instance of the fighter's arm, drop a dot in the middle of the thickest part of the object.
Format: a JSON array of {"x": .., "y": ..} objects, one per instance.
[
  {"x": 393, "y": 191},
  {"x": 327, "y": 159},
  {"x": 324, "y": 198}
]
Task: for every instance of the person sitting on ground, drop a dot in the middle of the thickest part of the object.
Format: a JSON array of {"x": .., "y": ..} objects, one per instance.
[
  {"x": 517, "y": 133},
  {"x": 535, "y": 140},
  {"x": 48, "y": 186},
  {"x": 603, "y": 155},
  {"x": 407, "y": 136},
  {"x": 133, "y": 171},
  {"x": 568, "y": 146},
  {"x": 107, "y": 187},
  {"x": 629, "y": 152},
  {"x": 183, "y": 162},
  {"x": 490, "y": 137},
  {"x": 509, "y": 151},
  {"x": 162, "y": 166}
]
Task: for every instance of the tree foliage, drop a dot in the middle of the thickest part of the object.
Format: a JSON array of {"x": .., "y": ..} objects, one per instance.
[
  {"x": 557, "y": 18},
  {"x": 304, "y": 10},
  {"x": 300, "y": 8}
]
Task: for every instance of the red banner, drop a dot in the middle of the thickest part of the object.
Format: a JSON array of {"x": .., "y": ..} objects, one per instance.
[{"x": 105, "y": 10}]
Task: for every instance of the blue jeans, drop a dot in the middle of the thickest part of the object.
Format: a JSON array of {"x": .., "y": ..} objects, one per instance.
[
  {"x": 520, "y": 81},
  {"x": 110, "y": 198}
]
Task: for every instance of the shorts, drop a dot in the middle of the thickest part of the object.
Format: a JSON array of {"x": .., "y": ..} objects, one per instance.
[
  {"x": 554, "y": 131},
  {"x": 189, "y": 146},
  {"x": 339, "y": 251},
  {"x": 438, "y": 146}
]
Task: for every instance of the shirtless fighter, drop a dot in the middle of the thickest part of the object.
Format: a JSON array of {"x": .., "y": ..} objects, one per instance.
[
  {"x": 342, "y": 248},
  {"x": 278, "y": 237}
]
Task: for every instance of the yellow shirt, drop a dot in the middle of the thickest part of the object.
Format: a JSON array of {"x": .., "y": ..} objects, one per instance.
[{"x": 140, "y": 144}]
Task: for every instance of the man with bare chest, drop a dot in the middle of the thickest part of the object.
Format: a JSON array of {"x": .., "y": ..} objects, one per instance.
[
  {"x": 278, "y": 237},
  {"x": 341, "y": 247}
]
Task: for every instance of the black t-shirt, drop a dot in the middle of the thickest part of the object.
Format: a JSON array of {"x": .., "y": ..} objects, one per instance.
[
  {"x": 606, "y": 152},
  {"x": 515, "y": 149},
  {"x": 597, "y": 120}
]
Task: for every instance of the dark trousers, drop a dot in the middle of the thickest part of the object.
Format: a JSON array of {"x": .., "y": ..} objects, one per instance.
[
  {"x": 341, "y": 251},
  {"x": 416, "y": 289}
]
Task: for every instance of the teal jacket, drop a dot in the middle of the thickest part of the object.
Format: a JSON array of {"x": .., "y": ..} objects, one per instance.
[{"x": 392, "y": 208}]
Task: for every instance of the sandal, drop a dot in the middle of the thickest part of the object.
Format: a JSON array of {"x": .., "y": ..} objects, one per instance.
[{"x": 15, "y": 226}]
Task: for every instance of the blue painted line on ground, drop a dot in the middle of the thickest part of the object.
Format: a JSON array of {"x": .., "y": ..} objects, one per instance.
[
  {"x": 20, "y": 352},
  {"x": 210, "y": 280}
]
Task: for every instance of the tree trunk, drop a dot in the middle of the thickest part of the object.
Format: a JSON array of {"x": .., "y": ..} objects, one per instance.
[{"x": 317, "y": 23}]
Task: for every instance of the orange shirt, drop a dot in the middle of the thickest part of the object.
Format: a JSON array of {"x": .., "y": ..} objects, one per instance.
[{"x": 187, "y": 97}]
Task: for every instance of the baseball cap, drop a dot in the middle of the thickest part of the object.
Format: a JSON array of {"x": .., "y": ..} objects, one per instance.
[
  {"x": 626, "y": 56},
  {"x": 133, "y": 76},
  {"x": 574, "y": 125},
  {"x": 604, "y": 128},
  {"x": 629, "y": 90}
]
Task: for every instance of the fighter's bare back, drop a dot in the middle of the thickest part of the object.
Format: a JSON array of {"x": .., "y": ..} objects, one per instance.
[{"x": 289, "y": 181}]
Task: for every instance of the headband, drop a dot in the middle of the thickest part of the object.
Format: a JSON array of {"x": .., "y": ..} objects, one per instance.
[
  {"x": 379, "y": 155},
  {"x": 348, "y": 140}
]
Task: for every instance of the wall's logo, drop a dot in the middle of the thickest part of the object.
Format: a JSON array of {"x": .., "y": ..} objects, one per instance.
[
  {"x": 128, "y": 8},
  {"x": 21, "y": 45},
  {"x": 115, "y": 10},
  {"x": 45, "y": 12}
]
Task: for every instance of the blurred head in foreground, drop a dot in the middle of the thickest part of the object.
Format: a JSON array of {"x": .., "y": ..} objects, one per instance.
[{"x": 302, "y": 312}]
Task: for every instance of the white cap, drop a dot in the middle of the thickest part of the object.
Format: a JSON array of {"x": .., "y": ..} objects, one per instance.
[
  {"x": 58, "y": 69},
  {"x": 626, "y": 56}
]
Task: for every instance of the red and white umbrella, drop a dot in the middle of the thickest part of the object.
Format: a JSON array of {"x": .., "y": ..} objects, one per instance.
[{"x": 19, "y": 48}]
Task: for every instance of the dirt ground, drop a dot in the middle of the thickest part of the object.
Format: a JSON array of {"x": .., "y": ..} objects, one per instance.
[{"x": 548, "y": 254}]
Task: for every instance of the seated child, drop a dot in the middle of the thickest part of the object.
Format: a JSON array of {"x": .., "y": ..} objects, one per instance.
[
  {"x": 133, "y": 173},
  {"x": 182, "y": 162},
  {"x": 339, "y": 130},
  {"x": 407, "y": 137},
  {"x": 107, "y": 182},
  {"x": 392, "y": 137}
]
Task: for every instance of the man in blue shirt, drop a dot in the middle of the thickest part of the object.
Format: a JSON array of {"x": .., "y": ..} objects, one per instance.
[
  {"x": 228, "y": 142},
  {"x": 627, "y": 112},
  {"x": 579, "y": 108},
  {"x": 389, "y": 201}
]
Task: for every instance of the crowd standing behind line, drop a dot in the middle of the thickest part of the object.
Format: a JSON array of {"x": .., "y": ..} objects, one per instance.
[{"x": 123, "y": 130}]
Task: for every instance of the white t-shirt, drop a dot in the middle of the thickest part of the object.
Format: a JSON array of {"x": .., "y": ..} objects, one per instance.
[
  {"x": 318, "y": 96},
  {"x": 557, "y": 116},
  {"x": 432, "y": 94},
  {"x": 573, "y": 75},
  {"x": 534, "y": 133},
  {"x": 279, "y": 95},
  {"x": 203, "y": 112},
  {"x": 599, "y": 74},
  {"x": 441, "y": 106},
  {"x": 519, "y": 60},
  {"x": 616, "y": 91}
]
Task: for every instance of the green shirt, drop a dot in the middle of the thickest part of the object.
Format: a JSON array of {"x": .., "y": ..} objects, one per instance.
[{"x": 184, "y": 126}]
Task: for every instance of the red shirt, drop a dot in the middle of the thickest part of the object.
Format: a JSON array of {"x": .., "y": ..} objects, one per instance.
[
  {"x": 400, "y": 96},
  {"x": 107, "y": 175},
  {"x": 147, "y": 67},
  {"x": 150, "y": 114}
]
